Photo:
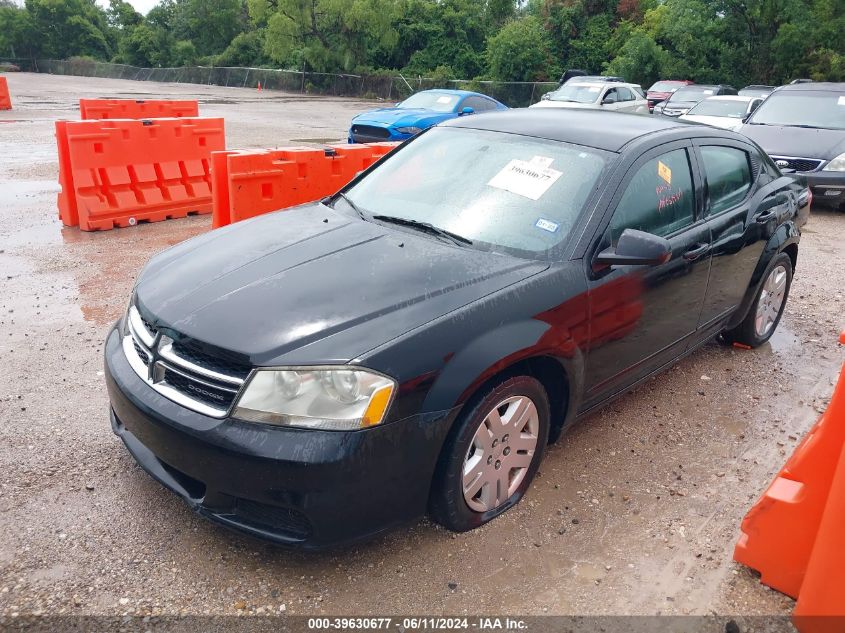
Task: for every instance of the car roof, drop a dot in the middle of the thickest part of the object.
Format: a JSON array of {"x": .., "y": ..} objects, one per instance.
[
  {"x": 600, "y": 84},
  {"x": 592, "y": 128},
  {"x": 826, "y": 86}
]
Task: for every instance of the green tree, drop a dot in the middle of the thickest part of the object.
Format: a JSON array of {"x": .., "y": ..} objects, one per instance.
[
  {"x": 640, "y": 60},
  {"x": 210, "y": 24},
  {"x": 64, "y": 28},
  {"x": 521, "y": 51},
  {"x": 15, "y": 31}
]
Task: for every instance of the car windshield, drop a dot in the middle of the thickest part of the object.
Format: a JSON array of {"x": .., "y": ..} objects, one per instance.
[
  {"x": 733, "y": 108},
  {"x": 504, "y": 192},
  {"x": 577, "y": 93},
  {"x": 803, "y": 108},
  {"x": 437, "y": 101},
  {"x": 692, "y": 93},
  {"x": 665, "y": 86}
]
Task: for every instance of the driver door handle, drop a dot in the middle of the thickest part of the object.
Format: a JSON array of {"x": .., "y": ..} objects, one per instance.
[{"x": 696, "y": 251}]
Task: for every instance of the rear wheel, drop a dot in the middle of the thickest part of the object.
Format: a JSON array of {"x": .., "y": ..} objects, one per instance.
[
  {"x": 491, "y": 458},
  {"x": 766, "y": 311}
]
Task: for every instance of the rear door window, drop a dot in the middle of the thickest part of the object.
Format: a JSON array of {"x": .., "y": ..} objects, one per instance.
[
  {"x": 659, "y": 199},
  {"x": 728, "y": 176}
]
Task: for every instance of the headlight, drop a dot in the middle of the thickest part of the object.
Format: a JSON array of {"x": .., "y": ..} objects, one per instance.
[
  {"x": 333, "y": 398},
  {"x": 409, "y": 130},
  {"x": 837, "y": 164}
]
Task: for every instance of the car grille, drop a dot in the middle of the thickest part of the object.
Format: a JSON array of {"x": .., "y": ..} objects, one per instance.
[
  {"x": 292, "y": 522},
  {"x": 369, "y": 133},
  {"x": 798, "y": 164},
  {"x": 197, "y": 377}
]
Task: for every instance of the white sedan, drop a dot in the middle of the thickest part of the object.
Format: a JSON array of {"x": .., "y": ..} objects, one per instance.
[
  {"x": 616, "y": 96},
  {"x": 727, "y": 112}
]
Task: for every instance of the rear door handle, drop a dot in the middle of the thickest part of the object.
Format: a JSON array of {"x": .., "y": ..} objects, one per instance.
[
  {"x": 767, "y": 217},
  {"x": 696, "y": 251}
]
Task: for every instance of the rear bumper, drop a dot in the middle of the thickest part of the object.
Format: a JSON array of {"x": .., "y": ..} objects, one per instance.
[
  {"x": 299, "y": 488},
  {"x": 828, "y": 186}
]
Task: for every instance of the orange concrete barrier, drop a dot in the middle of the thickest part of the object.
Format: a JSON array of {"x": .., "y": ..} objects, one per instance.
[
  {"x": 121, "y": 172},
  {"x": 137, "y": 109},
  {"x": 247, "y": 183},
  {"x": 821, "y": 602},
  {"x": 5, "y": 99},
  {"x": 795, "y": 534}
]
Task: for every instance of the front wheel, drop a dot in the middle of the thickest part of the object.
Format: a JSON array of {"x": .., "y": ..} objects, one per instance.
[
  {"x": 762, "y": 319},
  {"x": 491, "y": 458}
]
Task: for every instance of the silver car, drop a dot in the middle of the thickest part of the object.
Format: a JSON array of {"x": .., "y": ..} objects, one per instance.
[{"x": 614, "y": 96}]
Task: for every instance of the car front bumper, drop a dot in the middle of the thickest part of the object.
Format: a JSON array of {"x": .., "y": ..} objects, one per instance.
[
  {"x": 297, "y": 487},
  {"x": 828, "y": 186},
  {"x": 365, "y": 137}
]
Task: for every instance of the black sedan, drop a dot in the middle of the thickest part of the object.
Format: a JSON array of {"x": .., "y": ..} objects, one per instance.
[
  {"x": 802, "y": 127},
  {"x": 412, "y": 344}
]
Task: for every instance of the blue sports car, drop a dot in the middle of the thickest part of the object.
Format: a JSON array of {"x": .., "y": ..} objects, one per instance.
[{"x": 417, "y": 113}]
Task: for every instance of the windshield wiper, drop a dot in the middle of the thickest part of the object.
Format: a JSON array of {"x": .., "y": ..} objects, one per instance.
[
  {"x": 808, "y": 127},
  {"x": 364, "y": 215},
  {"x": 460, "y": 240}
]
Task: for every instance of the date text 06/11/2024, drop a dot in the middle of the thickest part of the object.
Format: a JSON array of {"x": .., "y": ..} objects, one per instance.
[{"x": 416, "y": 623}]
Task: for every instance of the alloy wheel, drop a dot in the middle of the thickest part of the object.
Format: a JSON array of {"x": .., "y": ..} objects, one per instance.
[
  {"x": 501, "y": 453},
  {"x": 771, "y": 301}
]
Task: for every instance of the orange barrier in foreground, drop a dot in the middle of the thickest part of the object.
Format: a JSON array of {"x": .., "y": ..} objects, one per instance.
[
  {"x": 121, "y": 172},
  {"x": 795, "y": 534},
  {"x": 5, "y": 99},
  {"x": 136, "y": 109},
  {"x": 253, "y": 182}
]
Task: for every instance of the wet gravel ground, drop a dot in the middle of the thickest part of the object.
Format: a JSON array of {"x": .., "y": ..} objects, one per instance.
[{"x": 635, "y": 511}]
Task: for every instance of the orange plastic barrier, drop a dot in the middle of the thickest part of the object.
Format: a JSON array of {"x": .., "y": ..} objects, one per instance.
[
  {"x": 253, "y": 182},
  {"x": 136, "y": 109},
  {"x": 795, "y": 534},
  {"x": 5, "y": 99},
  {"x": 821, "y": 603},
  {"x": 121, "y": 172}
]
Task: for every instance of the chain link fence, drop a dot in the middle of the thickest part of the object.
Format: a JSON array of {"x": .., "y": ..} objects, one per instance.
[{"x": 385, "y": 87}]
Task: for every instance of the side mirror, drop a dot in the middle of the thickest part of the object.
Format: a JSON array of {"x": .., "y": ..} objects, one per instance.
[
  {"x": 636, "y": 248},
  {"x": 608, "y": 101},
  {"x": 467, "y": 110}
]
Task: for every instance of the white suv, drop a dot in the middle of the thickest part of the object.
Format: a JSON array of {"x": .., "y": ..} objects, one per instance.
[{"x": 614, "y": 96}]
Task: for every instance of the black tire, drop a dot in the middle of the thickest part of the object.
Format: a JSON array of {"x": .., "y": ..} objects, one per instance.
[
  {"x": 448, "y": 507},
  {"x": 746, "y": 332}
]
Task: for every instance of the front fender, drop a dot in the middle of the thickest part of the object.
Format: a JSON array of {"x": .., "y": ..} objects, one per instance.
[
  {"x": 784, "y": 236},
  {"x": 495, "y": 351}
]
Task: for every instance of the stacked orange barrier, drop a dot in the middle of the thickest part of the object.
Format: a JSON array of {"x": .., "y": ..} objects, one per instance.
[
  {"x": 253, "y": 182},
  {"x": 5, "y": 99},
  {"x": 121, "y": 172},
  {"x": 795, "y": 534},
  {"x": 136, "y": 109}
]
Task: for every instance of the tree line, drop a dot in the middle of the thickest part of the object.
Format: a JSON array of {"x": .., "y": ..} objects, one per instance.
[{"x": 727, "y": 41}]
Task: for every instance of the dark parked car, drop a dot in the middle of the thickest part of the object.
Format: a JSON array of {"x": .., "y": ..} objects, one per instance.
[
  {"x": 411, "y": 344},
  {"x": 662, "y": 90},
  {"x": 802, "y": 127},
  {"x": 757, "y": 91},
  {"x": 683, "y": 99}
]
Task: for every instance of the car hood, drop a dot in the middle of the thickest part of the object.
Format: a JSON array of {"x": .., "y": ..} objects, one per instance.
[
  {"x": 312, "y": 285},
  {"x": 400, "y": 117},
  {"x": 548, "y": 103},
  {"x": 724, "y": 122},
  {"x": 799, "y": 142},
  {"x": 679, "y": 105}
]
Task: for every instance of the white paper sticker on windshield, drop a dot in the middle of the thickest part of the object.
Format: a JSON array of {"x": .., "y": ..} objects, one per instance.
[
  {"x": 547, "y": 225},
  {"x": 444, "y": 99},
  {"x": 525, "y": 179},
  {"x": 840, "y": 101},
  {"x": 708, "y": 92},
  {"x": 593, "y": 89},
  {"x": 542, "y": 161}
]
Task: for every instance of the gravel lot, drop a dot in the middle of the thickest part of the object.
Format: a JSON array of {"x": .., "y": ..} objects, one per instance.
[{"x": 635, "y": 511}]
